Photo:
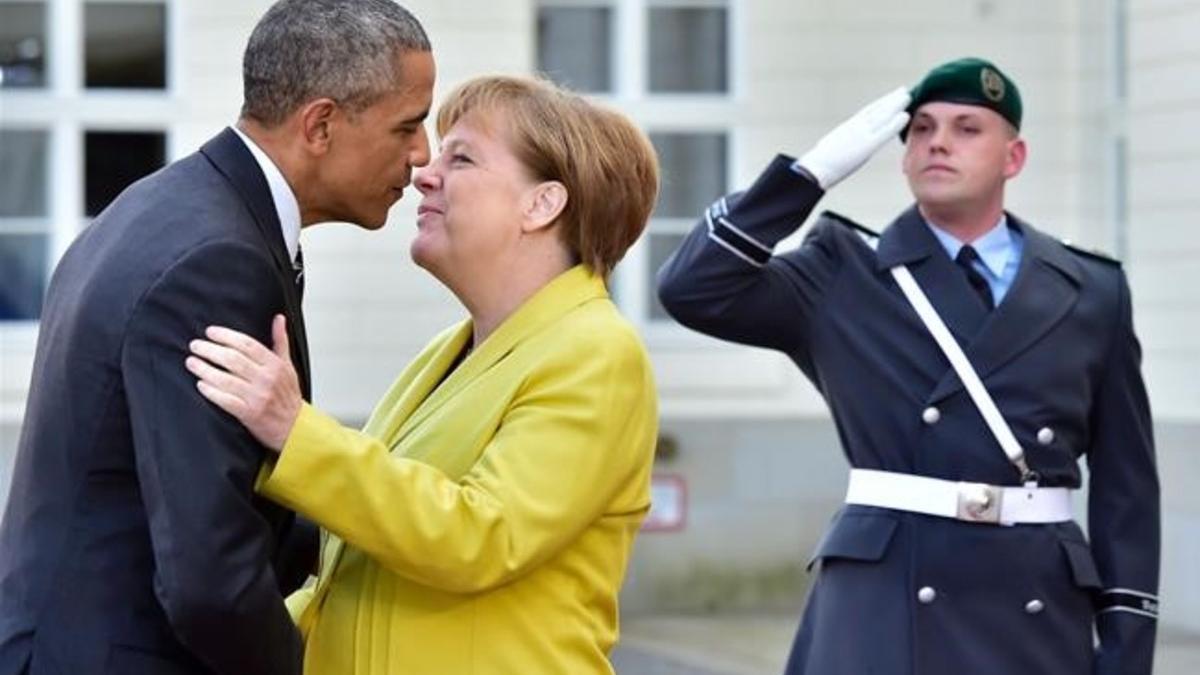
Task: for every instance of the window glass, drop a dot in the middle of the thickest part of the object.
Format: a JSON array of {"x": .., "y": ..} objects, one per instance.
[
  {"x": 693, "y": 172},
  {"x": 115, "y": 159},
  {"x": 125, "y": 45},
  {"x": 22, "y": 275},
  {"x": 574, "y": 47},
  {"x": 22, "y": 44},
  {"x": 688, "y": 50},
  {"x": 23, "y": 174}
]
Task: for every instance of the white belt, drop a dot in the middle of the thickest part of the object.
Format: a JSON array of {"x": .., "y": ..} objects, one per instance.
[{"x": 972, "y": 502}]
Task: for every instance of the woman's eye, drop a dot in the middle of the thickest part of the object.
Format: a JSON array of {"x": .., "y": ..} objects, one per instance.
[{"x": 459, "y": 158}]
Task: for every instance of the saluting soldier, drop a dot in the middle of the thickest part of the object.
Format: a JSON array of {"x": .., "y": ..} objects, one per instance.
[{"x": 969, "y": 362}]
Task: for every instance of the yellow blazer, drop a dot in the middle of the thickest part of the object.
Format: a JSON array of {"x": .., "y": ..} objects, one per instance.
[{"x": 482, "y": 520}]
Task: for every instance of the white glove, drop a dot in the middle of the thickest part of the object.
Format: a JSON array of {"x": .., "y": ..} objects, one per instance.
[{"x": 842, "y": 151}]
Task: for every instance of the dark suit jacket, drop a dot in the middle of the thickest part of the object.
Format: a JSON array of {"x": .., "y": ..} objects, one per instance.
[
  {"x": 133, "y": 541},
  {"x": 1058, "y": 353}
]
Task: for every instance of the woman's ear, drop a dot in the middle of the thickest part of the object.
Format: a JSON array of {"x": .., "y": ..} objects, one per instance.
[{"x": 547, "y": 200}]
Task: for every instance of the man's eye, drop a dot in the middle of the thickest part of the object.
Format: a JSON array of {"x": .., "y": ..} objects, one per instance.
[{"x": 459, "y": 158}]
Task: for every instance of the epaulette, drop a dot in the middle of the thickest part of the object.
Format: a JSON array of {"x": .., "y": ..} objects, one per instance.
[
  {"x": 861, "y": 229},
  {"x": 1093, "y": 253}
]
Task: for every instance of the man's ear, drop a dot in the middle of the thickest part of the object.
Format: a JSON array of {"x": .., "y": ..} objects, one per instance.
[
  {"x": 317, "y": 119},
  {"x": 545, "y": 203},
  {"x": 1017, "y": 152}
]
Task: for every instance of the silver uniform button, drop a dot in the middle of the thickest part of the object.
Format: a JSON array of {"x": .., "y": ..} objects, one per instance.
[
  {"x": 1045, "y": 436},
  {"x": 926, "y": 595},
  {"x": 1034, "y": 607},
  {"x": 931, "y": 415}
]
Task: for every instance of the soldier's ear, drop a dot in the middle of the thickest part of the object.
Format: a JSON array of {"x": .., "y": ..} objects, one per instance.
[{"x": 1015, "y": 161}]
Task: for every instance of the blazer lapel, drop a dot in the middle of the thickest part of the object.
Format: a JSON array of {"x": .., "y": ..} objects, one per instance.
[
  {"x": 567, "y": 291},
  {"x": 233, "y": 160},
  {"x": 390, "y": 416},
  {"x": 1045, "y": 290},
  {"x": 908, "y": 241},
  {"x": 398, "y": 406}
]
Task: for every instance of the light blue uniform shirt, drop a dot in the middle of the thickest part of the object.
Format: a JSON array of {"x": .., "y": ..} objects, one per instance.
[{"x": 999, "y": 254}]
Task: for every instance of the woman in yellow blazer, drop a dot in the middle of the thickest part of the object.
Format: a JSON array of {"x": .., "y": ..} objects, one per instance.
[{"x": 482, "y": 520}]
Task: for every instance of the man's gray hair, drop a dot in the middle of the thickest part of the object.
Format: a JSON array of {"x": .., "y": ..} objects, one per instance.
[{"x": 346, "y": 50}]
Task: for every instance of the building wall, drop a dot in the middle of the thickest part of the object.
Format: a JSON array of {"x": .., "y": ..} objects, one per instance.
[
  {"x": 1163, "y": 261},
  {"x": 1164, "y": 159}
]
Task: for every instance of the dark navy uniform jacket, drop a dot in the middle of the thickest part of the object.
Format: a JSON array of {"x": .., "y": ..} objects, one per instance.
[
  {"x": 899, "y": 593},
  {"x": 132, "y": 541}
]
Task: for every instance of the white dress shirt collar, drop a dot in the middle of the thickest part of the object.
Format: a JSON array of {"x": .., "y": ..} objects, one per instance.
[{"x": 286, "y": 206}]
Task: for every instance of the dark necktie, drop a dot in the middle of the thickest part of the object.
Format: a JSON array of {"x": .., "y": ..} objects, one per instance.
[
  {"x": 966, "y": 256},
  {"x": 298, "y": 267}
]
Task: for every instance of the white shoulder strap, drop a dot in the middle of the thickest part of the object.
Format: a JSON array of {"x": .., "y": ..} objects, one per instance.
[{"x": 966, "y": 373}]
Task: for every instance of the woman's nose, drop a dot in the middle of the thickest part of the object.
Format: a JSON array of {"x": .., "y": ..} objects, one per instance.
[{"x": 425, "y": 179}]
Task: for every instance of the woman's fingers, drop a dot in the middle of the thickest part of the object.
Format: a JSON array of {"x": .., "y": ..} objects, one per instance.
[
  {"x": 223, "y": 399},
  {"x": 216, "y": 378},
  {"x": 279, "y": 335},
  {"x": 256, "y": 385},
  {"x": 240, "y": 342},
  {"x": 228, "y": 358}
]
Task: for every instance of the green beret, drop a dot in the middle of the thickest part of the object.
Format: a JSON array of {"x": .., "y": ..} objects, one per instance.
[{"x": 973, "y": 82}]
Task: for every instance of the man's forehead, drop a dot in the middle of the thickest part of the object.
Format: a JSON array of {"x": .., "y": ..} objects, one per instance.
[{"x": 949, "y": 110}]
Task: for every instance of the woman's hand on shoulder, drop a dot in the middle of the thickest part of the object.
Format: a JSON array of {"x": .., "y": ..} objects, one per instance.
[{"x": 258, "y": 386}]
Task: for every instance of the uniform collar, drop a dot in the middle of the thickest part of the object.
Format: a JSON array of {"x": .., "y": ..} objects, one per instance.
[
  {"x": 995, "y": 248},
  {"x": 286, "y": 206}
]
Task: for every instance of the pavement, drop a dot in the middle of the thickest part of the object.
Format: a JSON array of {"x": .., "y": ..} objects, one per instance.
[{"x": 744, "y": 644}]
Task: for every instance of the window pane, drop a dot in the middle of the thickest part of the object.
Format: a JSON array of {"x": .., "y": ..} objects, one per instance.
[
  {"x": 574, "y": 47},
  {"x": 114, "y": 160},
  {"x": 22, "y": 275},
  {"x": 693, "y": 172},
  {"x": 22, "y": 173},
  {"x": 688, "y": 50},
  {"x": 661, "y": 248},
  {"x": 125, "y": 45},
  {"x": 22, "y": 44}
]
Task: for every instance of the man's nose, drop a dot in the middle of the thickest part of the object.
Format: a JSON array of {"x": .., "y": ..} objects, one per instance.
[{"x": 420, "y": 154}]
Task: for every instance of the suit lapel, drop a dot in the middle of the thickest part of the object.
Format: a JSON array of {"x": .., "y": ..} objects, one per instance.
[
  {"x": 1044, "y": 291},
  {"x": 233, "y": 160},
  {"x": 908, "y": 241}
]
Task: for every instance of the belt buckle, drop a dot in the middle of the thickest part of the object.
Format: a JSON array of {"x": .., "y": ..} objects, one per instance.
[{"x": 979, "y": 503}]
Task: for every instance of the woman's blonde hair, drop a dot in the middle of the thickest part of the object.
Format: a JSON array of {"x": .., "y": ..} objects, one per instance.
[{"x": 606, "y": 163}]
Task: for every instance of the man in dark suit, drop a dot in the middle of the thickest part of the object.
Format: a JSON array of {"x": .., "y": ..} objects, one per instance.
[
  {"x": 132, "y": 541},
  {"x": 956, "y": 551}
]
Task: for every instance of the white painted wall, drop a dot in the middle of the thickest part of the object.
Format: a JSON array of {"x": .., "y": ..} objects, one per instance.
[{"x": 1164, "y": 256}]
